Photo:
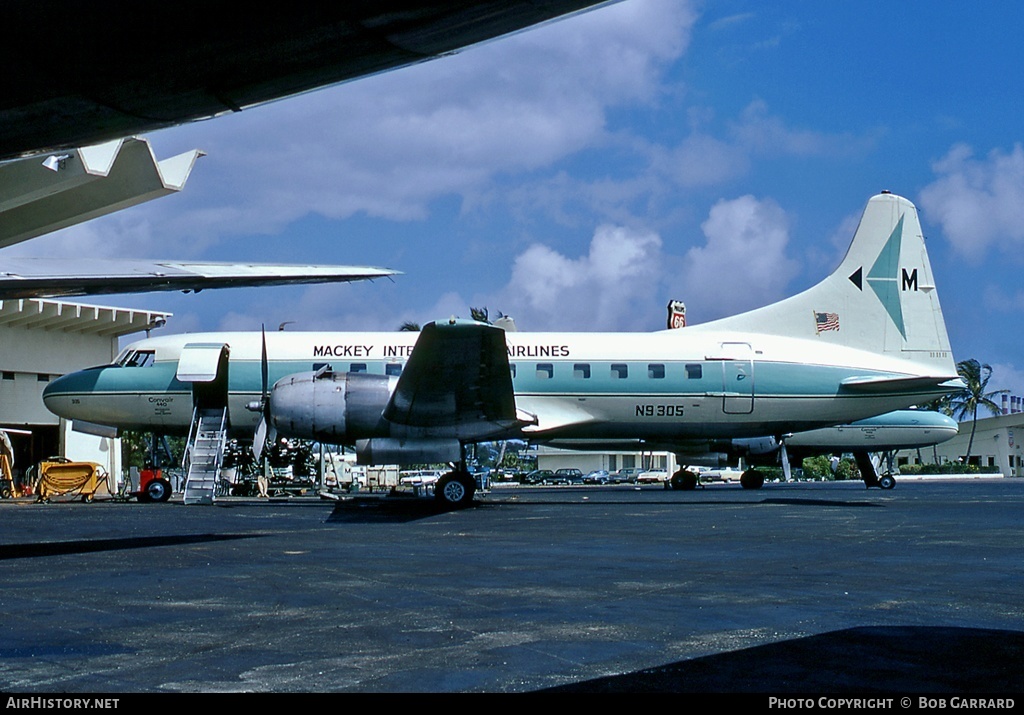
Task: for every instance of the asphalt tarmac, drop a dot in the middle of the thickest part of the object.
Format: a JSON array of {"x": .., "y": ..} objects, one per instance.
[{"x": 796, "y": 588}]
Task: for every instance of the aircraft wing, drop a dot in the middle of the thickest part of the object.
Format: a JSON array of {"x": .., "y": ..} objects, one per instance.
[
  {"x": 76, "y": 76},
  {"x": 55, "y": 278},
  {"x": 457, "y": 374}
]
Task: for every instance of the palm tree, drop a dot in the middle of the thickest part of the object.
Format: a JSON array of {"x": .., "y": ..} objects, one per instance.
[
  {"x": 975, "y": 395},
  {"x": 409, "y": 327}
]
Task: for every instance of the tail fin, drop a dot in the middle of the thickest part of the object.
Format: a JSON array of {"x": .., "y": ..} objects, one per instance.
[{"x": 882, "y": 298}]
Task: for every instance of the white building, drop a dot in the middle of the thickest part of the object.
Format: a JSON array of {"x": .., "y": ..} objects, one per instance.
[
  {"x": 43, "y": 339},
  {"x": 997, "y": 444},
  {"x": 611, "y": 461}
]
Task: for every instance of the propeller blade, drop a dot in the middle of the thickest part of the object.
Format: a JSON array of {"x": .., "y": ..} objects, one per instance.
[
  {"x": 263, "y": 429},
  {"x": 259, "y": 440},
  {"x": 264, "y": 369}
]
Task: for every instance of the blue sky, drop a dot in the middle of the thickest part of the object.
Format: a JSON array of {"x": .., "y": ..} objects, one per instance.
[{"x": 579, "y": 175}]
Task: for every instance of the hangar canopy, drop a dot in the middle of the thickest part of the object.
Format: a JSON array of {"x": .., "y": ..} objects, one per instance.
[{"x": 98, "y": 320}]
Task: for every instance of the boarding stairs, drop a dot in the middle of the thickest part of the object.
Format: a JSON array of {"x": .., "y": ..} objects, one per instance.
[{"x": 204, "y": 454}]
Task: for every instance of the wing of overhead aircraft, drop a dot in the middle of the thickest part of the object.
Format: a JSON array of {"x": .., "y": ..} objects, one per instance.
[
  {"x": 77, "y": 75},
  {"x": 54, "y": 278}
]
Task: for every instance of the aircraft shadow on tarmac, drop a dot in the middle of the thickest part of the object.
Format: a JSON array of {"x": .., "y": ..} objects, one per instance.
[
  {"x": 63, "y": 548},
  {"x": 900, "y": 660},
  {"x": 406, "y": 509}
]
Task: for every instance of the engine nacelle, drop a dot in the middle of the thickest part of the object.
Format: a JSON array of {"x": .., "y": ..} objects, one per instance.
[
  {"x": 704, "y": 459},
  {"x": 337, "y": 408},
  {"x": 756, "y": 445},
  {"x": 388, "y": 450}
]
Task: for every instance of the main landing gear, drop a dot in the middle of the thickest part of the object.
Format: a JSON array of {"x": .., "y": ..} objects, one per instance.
[
  {"x": 684, "y": 479},
  {"x": 456, "y": 488},
  {"x": 752, "y": 479},
  {"x": 871, "y": 478}
]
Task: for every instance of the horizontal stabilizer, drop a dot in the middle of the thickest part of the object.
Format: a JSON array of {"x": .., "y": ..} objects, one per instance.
[
  {"x": 54, "y": 278},
  {"x": 898, "y": 383}
]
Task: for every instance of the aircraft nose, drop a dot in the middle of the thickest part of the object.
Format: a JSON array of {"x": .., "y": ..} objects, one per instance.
[{"x": 68, "y": 395}]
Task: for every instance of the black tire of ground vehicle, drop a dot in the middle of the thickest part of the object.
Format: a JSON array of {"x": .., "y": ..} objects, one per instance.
[
  {"x": 455, "y": 489},
  {"x": 752, "y": 479},
  {"x": 157, "y": 490},
  {"x": 887, "y": 481},
  {"x": 685, "y": 480}
]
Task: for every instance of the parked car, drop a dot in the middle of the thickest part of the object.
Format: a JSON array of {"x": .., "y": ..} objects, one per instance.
[
  {"x": 420, "y": 477},
  {"x": 721, "y": 475},
  {"x": 626, "y": 475},
  {"x": 568, "y": 476},
  {"x": 652, "y": 476},
  {"x": 538, "y": 476},
  {"x": 598, "y": 476}
]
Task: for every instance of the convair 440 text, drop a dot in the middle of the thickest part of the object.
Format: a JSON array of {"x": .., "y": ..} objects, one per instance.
[{"x": 867, "y": 340}]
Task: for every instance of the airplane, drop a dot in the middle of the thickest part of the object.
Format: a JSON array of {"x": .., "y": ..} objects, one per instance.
[
  {"x": 868, "y": 339},
  {"x": 900, "y": 429},
  {"x": 76, "y": 76}
]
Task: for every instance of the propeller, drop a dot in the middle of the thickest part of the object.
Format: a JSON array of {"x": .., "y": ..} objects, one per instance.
[{"x": 264, "y": 430}]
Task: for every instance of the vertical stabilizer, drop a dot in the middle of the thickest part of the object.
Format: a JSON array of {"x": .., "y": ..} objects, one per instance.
[{"x": 882, "y": 298}]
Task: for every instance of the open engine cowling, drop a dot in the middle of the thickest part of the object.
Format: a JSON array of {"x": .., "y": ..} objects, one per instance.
[{"x": 337, "y": 408}]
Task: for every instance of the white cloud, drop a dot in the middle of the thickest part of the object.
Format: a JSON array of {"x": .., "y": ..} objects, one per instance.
[
  {"x": 389, "y": 145},
  {"x": 1006, "y": 376},
  {"x": 761, "y": 132},
  {"x": 743, "y": 263},
  {"x": 978, "y": 202},
  {"x": 703, "y": 160},
  {"x": 612, "y": 287}
]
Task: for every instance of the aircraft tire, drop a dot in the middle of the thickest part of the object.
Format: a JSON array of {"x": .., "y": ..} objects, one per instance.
[
  {"x": 158, "y": 490},
  {"x": 685, "y": 480},
  {"x": 455, "y": 489},
  {"x": 752, "y": 479},
  {"x": 887, "y": 481}
]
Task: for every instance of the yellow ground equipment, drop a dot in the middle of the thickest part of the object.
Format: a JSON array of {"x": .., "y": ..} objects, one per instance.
[
  {"x": 81, "y": 478},
  {"x": 7, "y": 487}
]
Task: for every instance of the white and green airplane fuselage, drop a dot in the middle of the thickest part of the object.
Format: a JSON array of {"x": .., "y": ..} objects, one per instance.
[
  {"x": 867, "y": 340},
  {"x": 659, "y": 386}
]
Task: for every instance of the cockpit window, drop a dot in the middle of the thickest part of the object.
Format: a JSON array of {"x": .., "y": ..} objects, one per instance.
[{"x": 137, "y": 358}]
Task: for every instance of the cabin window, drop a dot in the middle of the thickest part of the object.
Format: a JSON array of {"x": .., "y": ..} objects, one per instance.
[
  {"x": 655, "y": 371},
  {"x": 620, "y": 371},
  {"x": 393, "y": 368},
  {"x": 694, "y": 371},
  {"x": 357, "y": 367},
  {"x": 8, "y": 375},
  {"x": 42, "y": 378},
  {"x": 545, "y": 371},
  {"x": 581, "y": 371}
]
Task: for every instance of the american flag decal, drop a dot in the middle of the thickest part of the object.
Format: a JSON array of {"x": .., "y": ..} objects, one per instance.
[{"x": 826, "y": 321}]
